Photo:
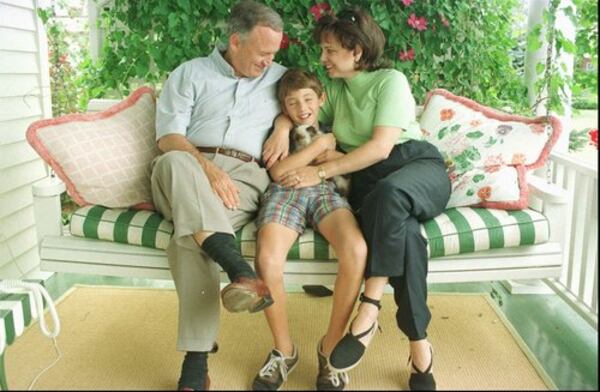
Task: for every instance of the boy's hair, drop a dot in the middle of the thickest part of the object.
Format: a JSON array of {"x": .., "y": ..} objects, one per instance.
[{"x": 295, "y": 79}]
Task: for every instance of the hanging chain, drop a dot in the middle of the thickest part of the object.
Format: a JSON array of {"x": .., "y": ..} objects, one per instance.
[{"x": 547, "y": 79}]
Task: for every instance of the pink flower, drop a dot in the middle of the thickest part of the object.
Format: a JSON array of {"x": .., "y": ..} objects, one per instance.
[
  {"x": 452, "y": 176},
  {"x": 285, "y": 42},
  {"x": 484, "y": 193},
  {"x": 407, "y": 55},
  {"x": 417, "y": 23},
  {"x": 493, "y": 163},
  {"x": 593, "y": 134},
  {"x": 407, "y": 2},
  {"x": 446, "y": 114},
  {"x": 319, "y": 9}
]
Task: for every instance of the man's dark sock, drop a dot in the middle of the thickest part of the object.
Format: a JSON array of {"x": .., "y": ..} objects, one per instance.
[
  {"x": 194, "y": 370},
  {"x": 222, "y": 249}
]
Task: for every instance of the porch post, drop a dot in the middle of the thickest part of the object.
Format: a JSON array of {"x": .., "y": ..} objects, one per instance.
[{"x": 563, "y": 24}]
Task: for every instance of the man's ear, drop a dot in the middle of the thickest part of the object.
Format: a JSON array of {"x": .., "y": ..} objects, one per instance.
[{"x": 234, "y": 41}]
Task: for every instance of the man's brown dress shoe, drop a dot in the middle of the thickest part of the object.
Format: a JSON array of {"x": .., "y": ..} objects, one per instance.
[{"x": 245, "y": 293}]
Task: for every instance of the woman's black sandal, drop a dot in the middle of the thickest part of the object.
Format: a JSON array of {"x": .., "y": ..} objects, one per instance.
[
  {"x": 421, "y": 380},
  {"x": 350, "y": 350}
]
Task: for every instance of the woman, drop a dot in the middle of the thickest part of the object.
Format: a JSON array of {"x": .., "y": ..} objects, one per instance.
[{"x": 397, "y": 181}]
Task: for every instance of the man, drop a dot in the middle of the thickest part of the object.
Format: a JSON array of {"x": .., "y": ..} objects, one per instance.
[{"x": 213, "y": 115}]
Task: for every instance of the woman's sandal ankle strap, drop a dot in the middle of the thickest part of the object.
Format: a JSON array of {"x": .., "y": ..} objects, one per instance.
[
  {"x": 364, "y": 298},
  {"x": 426, "y": 371}
]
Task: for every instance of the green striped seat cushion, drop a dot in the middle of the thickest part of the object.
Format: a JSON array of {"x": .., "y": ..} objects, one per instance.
[
  {"x": 457, "y": 230},
  {"x": 17, "y": 311}
]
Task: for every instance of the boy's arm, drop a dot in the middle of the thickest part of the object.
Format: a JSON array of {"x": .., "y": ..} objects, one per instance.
[{"x": 303, "y": 157}]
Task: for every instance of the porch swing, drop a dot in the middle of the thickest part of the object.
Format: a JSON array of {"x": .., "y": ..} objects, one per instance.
[{"x": 465, "y": 244}]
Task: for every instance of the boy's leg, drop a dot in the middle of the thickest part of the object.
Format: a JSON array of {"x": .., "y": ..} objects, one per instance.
[
  {"x": 341, "y": 230},
  {"x": 273, "y": 244}
]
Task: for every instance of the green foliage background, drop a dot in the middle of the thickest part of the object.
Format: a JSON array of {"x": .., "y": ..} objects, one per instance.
[
  {"x": 471, "y": 56},
  {"x": 585, "y": 90}
]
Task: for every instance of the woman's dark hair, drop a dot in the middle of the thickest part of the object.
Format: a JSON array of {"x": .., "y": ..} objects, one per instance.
[{"x": 355, "y": 27}]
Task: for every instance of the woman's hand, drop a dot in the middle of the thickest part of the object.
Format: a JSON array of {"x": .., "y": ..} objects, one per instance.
[
  {"x": 301, "y": 177},
  {"x": 326, "y": 156}
]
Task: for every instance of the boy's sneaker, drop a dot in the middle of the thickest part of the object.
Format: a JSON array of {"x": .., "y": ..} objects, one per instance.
[
  {"x": 329, "y": 379},
  {"x": 275, "y": 371}
]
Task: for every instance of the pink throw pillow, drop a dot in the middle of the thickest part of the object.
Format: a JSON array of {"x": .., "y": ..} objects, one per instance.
[
  {"x": 487, "y": 152},
  {"x": 103, "y": 158}
]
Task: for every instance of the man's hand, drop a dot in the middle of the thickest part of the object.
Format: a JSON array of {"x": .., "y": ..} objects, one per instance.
[
  {"x": 277, "y": 145},
  {"x": 223, "y": 186},
  {"x": 275, "y": 148}
]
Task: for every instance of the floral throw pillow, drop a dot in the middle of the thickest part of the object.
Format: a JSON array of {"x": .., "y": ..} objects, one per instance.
[
  {"x": 487, "y": 152},
  {"x": 103, "y": 158}
]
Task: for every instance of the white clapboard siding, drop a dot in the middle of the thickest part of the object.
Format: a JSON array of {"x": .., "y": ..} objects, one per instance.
[
  {"x": 27, "y": 4},
  {"x": 19, "y": 62},
  {"x": 15, "y": 154},
  {"x": 20, "y": 244},
  {"x": 12, "y": 108},
  {"x": 17, "y": 199},
  {"x": 21, "y": 264},
  {"x": 17, "y": 40},
  {"x": 18, "y": 15},
  {"x": 24, "y": 86},
  {"x": 16, "y": 222},
  {"x": 24, "y": 98},
  {"x": 12, "y": 131}
]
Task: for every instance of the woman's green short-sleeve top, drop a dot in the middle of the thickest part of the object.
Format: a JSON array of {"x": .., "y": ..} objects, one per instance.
[{"x": 370, "y": 99}]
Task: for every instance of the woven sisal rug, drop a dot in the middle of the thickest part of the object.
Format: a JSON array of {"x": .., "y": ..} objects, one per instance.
[{"x": 124, "y": 338}]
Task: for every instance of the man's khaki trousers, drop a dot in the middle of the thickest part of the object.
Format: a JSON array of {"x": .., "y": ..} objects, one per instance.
[{"x": 182, "y": 193}]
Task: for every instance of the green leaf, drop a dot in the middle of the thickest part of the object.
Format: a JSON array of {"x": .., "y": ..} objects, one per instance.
[
  {"x": 490, "y": 142},
  {"x": 455, "y": 128},
  {"x": 442, "y": 133},
  {"x": 173, "y": 20},
  {"x": 474, "y": 135},
  {"x": 478, "y": 177}
]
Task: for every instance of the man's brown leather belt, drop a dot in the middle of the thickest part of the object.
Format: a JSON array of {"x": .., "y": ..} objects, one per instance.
[{"x": 230, "y": 152}]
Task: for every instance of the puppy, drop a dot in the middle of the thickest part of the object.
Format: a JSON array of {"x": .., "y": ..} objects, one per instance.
[{"x": 300, "y": 137}]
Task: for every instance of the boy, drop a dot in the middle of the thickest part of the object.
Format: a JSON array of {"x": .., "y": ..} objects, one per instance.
[{"x": 285, "y": 212}]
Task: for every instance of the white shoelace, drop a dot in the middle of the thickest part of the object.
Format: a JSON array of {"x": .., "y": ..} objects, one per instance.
[
  {"x": 334, "y": 377},
  {"x": 274, "y": 363}
]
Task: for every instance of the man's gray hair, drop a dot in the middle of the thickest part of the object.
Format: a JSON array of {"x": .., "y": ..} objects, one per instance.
[{"x": 248, "y": 14}]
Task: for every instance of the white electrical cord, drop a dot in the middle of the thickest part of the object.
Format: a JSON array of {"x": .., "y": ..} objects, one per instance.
[{"x": 39, "y": 294}]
